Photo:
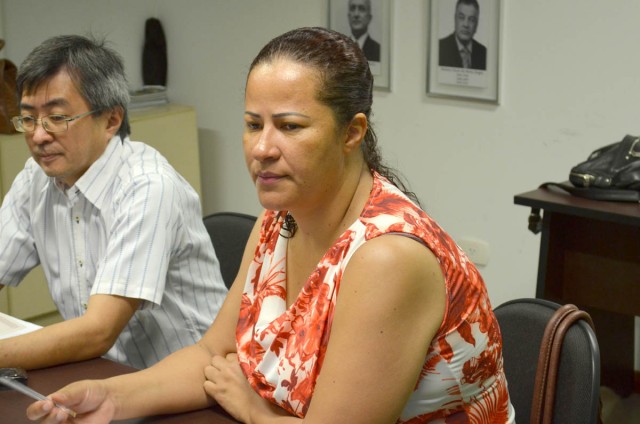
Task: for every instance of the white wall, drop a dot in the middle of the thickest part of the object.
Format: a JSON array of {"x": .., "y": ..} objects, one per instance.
[{"x": 569, "y": 85}]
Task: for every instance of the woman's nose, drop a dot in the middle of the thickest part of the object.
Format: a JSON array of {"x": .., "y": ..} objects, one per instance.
[{"x": 265, "y": 147}]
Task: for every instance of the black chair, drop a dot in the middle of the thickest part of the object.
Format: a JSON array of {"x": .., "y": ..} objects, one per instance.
[
  {"x": 577, "y": 391},
  {"x": 229, "y": 232}
]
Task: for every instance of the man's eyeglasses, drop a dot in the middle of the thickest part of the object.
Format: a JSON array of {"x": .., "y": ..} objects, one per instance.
[{"x": 51, "y": 123}]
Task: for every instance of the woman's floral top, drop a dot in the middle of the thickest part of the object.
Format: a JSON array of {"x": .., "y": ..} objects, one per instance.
[{"x": 281, "y": 349}]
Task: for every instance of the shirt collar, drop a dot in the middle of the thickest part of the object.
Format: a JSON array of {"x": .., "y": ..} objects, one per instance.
[
  {"x": 360, "y": 40},
  {"x": 95, "y": 181},
  {"x": 463, "y": 46}
]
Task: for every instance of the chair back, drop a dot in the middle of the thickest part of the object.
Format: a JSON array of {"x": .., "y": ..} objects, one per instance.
[
  {"x": 229, "y": 232},
  {"x": 577, "y": 390}
]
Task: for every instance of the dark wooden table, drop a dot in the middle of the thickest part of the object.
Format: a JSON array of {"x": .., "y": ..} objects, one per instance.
[
  {"x": 13, "y": 404},
  {"x": 590, "y": 256}
]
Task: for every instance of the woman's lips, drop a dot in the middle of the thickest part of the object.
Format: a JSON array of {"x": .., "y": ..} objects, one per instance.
[{"x": 268, "y": 178}]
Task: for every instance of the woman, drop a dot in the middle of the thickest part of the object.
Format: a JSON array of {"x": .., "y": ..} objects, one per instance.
[{"x": 348, "y": 293}]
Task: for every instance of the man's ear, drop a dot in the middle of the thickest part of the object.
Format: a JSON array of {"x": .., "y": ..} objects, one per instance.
[
  {"x": 356, "y": 131},
  {"x": 114, "y": 120}
]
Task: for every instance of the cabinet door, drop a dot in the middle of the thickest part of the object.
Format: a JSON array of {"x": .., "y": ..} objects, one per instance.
[
  {"x": 173, "y": 131},
  {"x": 32, "y": 298}
]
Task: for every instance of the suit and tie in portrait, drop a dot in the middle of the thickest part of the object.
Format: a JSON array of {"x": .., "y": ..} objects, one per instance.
[
  {"x": 371, "y": 49},
  {"x": 460, "y": 49},
  {"x": 359, "y": 14},
  {"x": 449, "y": 54}
]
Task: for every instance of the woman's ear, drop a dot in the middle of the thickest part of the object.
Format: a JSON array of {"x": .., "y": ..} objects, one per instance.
[{"x": 356, "y": 131}]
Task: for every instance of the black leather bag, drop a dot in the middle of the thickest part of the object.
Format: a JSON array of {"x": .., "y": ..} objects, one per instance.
[
  {"x": 610, "y": 173},
  {"x": 614, "y": 166}
]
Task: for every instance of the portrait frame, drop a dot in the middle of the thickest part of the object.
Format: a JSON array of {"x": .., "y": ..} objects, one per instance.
[
  {"x": 379, "y": 29},
  {"x": 449, "y": 79}
]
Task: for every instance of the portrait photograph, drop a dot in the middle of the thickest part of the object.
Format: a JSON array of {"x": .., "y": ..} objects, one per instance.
[
  {"x": 464, "y": 49},
  {"x": 368, "y": 23}
]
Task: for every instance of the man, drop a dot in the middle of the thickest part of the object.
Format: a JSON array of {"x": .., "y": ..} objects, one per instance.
[
  {"x": 118, "y": 232},
  {"x": 460, "y": 50},
  {"x": 359, "y": 19}
]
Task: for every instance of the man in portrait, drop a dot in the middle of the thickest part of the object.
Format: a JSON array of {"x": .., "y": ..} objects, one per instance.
[
  {"x": 460, "y": 49},
  {"x": 359, "y": 19}
]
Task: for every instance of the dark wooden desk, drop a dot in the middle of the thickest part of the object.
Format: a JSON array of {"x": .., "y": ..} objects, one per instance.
[
  {"x": 590, "y": 256},
  {"x": 13, "y": 404}
]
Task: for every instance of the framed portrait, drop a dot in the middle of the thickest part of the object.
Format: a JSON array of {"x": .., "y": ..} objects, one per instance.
[
  {"x": 369, "y": 23},
  {"x": 464, "y": 49}
]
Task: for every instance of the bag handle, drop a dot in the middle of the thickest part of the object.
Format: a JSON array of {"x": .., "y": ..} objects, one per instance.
[
  {"x": 612, "y": 195},
  {"x": 607, "y": 194}
]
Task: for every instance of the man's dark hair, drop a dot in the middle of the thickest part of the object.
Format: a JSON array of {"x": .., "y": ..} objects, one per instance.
[
  {"x": 473, "y": 3},
  {"x": 96, "y": 70}
]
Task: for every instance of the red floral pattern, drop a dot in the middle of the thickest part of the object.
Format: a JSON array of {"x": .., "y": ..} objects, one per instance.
[{"x": 281, "y": 349}]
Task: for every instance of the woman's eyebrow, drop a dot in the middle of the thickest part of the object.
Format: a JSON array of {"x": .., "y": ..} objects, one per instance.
[
  {"x": 283, "y": 114},
  {"x": 277, "y": 115}
]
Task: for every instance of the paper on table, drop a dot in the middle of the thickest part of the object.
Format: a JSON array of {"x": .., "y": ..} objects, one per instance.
[{"x": 11, "y": 326}]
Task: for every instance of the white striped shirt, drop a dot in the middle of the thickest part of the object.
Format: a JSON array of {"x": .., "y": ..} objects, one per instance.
[{"x": 131, "y": 226}]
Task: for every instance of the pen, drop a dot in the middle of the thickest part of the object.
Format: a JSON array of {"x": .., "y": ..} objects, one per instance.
[{"x": 26, "y": 390}]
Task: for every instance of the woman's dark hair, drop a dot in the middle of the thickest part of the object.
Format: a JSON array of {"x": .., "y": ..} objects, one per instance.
[
  {"x": 346, "y": 85},
  {"x": 96, "y": 70}
]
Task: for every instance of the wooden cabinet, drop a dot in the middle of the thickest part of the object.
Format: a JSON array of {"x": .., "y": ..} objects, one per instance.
[
  {"x": 172, "y": 129},
  {"x": 590, "y": 256}
]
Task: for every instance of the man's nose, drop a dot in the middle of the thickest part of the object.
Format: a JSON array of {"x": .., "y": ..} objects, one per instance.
[{"x": 40, "y": 135}]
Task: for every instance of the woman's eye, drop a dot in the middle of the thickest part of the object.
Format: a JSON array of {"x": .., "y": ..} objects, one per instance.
[
  {"x": 252, "y": 126},
  {"x": 290, "y": 126}
]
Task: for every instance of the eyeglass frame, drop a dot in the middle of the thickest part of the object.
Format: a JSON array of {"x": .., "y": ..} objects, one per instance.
[{"x": 19, "y": 125}]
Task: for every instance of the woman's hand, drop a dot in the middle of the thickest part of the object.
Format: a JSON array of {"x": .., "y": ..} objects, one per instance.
[
  {"x": 229, "y": 387},
  {"x": 89, "y": 399}
]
